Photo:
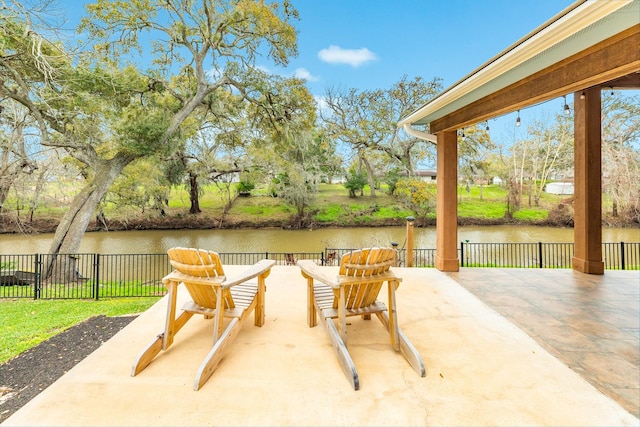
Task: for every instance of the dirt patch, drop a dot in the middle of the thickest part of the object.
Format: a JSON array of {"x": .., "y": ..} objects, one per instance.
[{"x": 26, "y": 375}]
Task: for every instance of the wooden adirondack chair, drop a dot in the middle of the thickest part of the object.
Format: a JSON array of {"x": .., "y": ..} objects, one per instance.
[
  {"x": 354, "y": 292},
  {"x": 215, "y": 297},
  {"x": 290, "y": 259}
]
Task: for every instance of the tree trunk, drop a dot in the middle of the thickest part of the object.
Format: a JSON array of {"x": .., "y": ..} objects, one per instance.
[
  {"x": 194, "y": 195},
  {"x": 74, "y": 223},
  {"x": 35, "y": 200},
  {"x": 11, "y": 172},
  {"x": 370, "y": 176}
]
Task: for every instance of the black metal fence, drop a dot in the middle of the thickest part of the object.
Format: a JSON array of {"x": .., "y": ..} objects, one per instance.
[
  {"x": 96, "y": 276},
  {"x": 616, "y": 256}
]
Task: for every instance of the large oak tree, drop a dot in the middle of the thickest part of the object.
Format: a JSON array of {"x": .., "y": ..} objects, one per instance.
[{"x": 107, "y": 114}]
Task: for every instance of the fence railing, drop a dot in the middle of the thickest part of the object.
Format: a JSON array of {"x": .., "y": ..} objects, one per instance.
[{"x": 96, "y": 276}]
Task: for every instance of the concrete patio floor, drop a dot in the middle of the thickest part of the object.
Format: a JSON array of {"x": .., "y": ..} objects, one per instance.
[
  {"x": 591, "y": 323},
  {"x": 499, "y": 347}
]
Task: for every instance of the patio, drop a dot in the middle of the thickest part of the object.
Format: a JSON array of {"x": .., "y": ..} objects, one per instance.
[{"x": 501, "y": 347}]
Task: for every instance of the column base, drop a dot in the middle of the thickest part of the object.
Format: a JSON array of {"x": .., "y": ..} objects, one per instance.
[
  {"x": 447, "y": 264},
  {"x": 587, "y": 267}
]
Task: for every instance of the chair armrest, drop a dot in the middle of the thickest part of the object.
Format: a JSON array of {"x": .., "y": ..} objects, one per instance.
[
  {"x": 311, "y": 269},
  {"x": 181, "y": 277},
  {"x": 257, "y": 269}
]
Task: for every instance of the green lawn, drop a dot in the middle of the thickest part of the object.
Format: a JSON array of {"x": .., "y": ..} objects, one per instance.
[{"x": 26, "y": 323}]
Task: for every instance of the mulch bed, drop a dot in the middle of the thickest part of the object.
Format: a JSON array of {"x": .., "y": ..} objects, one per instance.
[{"x": 26, "y": 375}]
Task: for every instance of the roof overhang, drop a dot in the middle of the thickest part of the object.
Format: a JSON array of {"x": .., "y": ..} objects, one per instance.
[{"x": 590, "y": 43}]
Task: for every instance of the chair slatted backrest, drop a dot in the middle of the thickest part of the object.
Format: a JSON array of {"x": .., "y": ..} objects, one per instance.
[
  {"x": 364, "y": 263},
  {"x": 200, "y": 263}
]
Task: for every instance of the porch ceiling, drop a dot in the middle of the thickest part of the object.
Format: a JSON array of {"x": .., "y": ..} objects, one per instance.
[{"x": 591, "y": 43}]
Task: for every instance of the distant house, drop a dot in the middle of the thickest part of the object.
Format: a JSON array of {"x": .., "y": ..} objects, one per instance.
[
  {"x": 423, "y": 175},
  {"x": 559, "y": 188},
  {"x": 497, "y": 180}
]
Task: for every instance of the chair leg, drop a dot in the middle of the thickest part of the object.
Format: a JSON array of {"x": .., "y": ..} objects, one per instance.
[
  {"x": 311, "y": 301},
  {"x": 211, "y": 361},
  {"x": 259, "y": 312},
  {"x": 348, "y": 367},
  {"x": 411, "y": 354},
  {"x": 406, "y": 347},
  {"x": 147, "y": 355}
]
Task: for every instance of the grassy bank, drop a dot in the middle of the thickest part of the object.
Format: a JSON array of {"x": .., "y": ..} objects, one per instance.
[{"x": 332, "y": 208}]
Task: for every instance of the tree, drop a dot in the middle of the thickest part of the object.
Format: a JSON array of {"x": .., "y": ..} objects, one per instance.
[
  {"x": 106, "y": 116},
  {"x": 416, "y": 195},
  {"x": 14, "y": 161},
  {"x": 546, "y": 155},
  {"x": 141, "y": 185},
  {"x": 621, "y": 153},
  {"x": 366, "y": 121},
  {"x": 474, "y": 144},
  {"x": 285, "y": 146},
  {"x": 354, "y": 182}
]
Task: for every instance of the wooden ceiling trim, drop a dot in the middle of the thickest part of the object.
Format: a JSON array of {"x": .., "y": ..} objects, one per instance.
[
  {"x": 631, "y": 81},
  {"x": 615, "y": 58}
]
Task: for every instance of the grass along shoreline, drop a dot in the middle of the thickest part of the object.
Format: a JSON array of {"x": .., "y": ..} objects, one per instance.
[{"x": 484, "y": 205}]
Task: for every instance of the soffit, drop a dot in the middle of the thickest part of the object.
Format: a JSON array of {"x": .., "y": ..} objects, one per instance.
[{"x": 577, "y": 28}]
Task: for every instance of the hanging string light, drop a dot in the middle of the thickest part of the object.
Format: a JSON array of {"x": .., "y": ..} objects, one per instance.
[
  {"x": 567, "y": 110},
  {"x": 582, "y": 95},
  {"x": 487, "y": 128},
  {"x": 518, "y": 119}
]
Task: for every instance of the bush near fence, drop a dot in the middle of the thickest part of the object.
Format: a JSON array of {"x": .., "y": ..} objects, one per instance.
[{"x": 140, "y": 275}]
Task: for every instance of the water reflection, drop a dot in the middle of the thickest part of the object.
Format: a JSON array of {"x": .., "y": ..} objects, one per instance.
[{"x": 277, "y": 240}]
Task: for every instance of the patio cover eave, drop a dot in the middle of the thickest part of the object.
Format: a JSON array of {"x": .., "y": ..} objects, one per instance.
[{"x": 588, "y": 44}]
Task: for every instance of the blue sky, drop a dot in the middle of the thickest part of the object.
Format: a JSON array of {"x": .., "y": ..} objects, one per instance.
[{"x": 372, "y": 44}]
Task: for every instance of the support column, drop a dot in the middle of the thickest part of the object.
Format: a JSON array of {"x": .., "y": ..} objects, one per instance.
[
  {"x": 447, "y": 203},
  {"x": 588, "y": 182}
]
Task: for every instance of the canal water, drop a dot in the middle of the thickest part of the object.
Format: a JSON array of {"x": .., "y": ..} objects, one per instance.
[{"x": 277, "y": 240}]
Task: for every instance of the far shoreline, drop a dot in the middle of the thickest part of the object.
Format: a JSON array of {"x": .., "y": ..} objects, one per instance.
[{"x": 10, "y": 225}]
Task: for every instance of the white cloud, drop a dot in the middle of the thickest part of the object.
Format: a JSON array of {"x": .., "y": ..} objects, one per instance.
[
  {"x": 303, "y": 73},
  {"x": 354, "y": 57}
]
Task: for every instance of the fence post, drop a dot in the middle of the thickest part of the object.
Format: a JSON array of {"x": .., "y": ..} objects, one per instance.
[
  {"x": 96, "y": 275},
  {"x": 622, "y": 261},
  {"x": 540, "y": 254},
  {"x": 395, "y": 253},
  {"x": 409, "y": 257},
  {"x": 462, "y": 253},
  {"x": 37, "y": 284}
]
